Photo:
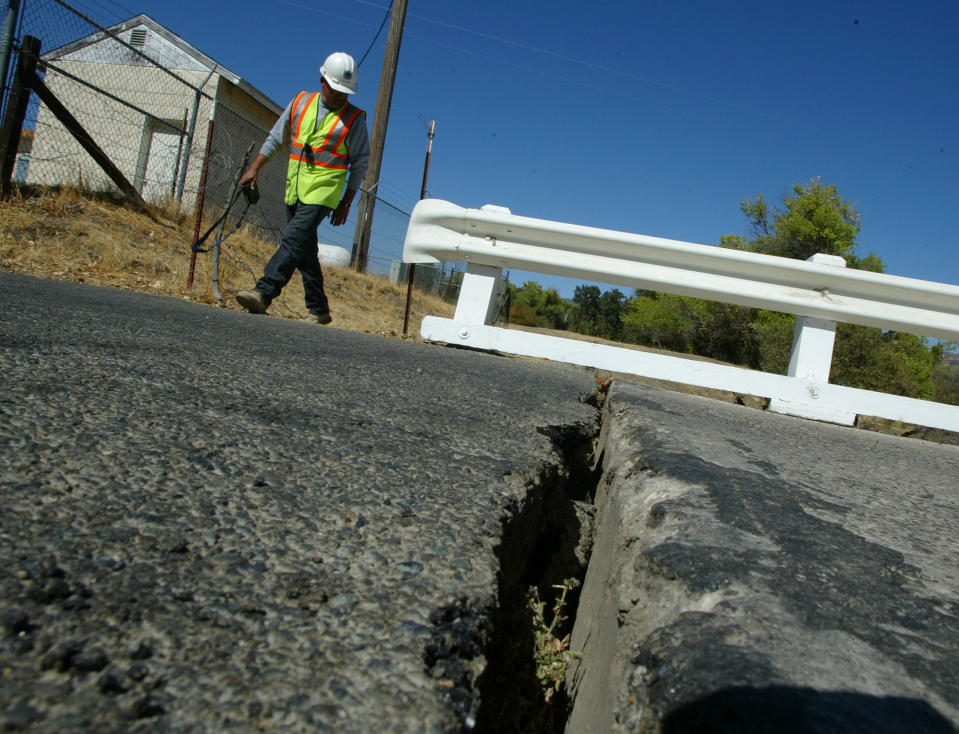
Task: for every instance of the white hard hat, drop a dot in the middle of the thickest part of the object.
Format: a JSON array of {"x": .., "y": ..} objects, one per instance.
[{"x": 339, "y": 70}]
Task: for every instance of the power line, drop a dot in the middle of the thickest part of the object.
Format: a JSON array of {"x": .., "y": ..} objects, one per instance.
[
  {"x": 569, "y": 59},
  {"x": 572, "y": 60},
  {"x": 607, "y": 69},
  {"x": 855, "y": 139},
  {"x": 637, "y": 77},
  {"x": 385, "y": 18},
  {"x": 116, "y": 6},
  {"x": 301, "y": 6}
]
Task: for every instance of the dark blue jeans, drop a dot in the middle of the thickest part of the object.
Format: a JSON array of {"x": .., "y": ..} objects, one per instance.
[{"x": 297, "y": 251}]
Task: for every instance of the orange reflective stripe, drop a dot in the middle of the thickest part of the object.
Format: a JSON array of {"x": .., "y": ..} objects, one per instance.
[
  {"x": 325, "y": 159},
  {"x": 318, "y": 142},
  {"x": 325, "y": 155},
  {"x": 302, "y": 115},
  {"x": 329, "y": 132},
  {"x": 294, "y": 114},
  {"x": 321, "y": 164},
  {"x": 346, "y": 128}
]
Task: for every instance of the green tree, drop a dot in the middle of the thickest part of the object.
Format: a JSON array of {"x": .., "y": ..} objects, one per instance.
[
  {"x": 691, "y": 325},
  {"x": 530, "y": 294},
  {"x": 660, "y": 320},
  {"x": 946, "y": 375},
  {"x": 885, "y": 361},
  {"x": 774, "y": 338},
  {"x": 598, "y": 313},
  {"x": 587, "y": 316},
  {"x": 814, "y": 219},
  {"x": 555, "y": 309},
  {"x": 612, "y": 304},
  {"x": 531, "y": 305},
  {"x": 521, "y": 311}
]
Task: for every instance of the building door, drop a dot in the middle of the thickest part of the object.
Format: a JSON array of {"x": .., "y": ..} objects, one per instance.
[{"x": 159, "y": 152}]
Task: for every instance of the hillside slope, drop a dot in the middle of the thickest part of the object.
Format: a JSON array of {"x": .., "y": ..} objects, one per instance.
[{"x": 97, "y": 239}]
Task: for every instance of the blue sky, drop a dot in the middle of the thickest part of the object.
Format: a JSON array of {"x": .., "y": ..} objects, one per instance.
[{"x": 655, "y": 117}]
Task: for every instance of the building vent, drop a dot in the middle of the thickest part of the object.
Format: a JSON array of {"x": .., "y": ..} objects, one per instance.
[{"x": 138, "y": 38}]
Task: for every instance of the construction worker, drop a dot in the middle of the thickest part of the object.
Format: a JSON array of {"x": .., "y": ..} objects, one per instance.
[{"x": 328, "y": 139}]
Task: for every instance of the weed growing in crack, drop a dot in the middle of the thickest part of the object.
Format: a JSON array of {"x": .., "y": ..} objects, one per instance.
[{"x": 552, "y": 653}]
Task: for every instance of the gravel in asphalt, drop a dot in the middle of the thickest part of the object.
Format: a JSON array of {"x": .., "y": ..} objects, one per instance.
[{"x": 214, "y": 521}]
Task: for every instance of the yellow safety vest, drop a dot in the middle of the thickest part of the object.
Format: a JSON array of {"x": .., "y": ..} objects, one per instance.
[{"x": 318, "y": 154}]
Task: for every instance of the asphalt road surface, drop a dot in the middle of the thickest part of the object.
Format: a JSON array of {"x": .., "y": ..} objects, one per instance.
[{"x": 214, "y": 521}]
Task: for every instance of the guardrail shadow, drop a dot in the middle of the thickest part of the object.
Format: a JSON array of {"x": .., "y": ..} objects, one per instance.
[{"x": 792, "y": 709}]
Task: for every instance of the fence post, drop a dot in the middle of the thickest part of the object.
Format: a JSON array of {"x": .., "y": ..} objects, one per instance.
[
  {"x": 184, "y": 163},
  {"x": 6, "y": 44},
  {"x": 17, "y": 109},
  {"x": 200, "y": 199}
]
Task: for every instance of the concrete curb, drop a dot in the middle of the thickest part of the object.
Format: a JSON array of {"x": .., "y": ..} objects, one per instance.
[{"x": 753, "y": 572}]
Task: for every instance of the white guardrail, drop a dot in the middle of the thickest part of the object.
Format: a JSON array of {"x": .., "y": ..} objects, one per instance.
[{"x": 820, "y": 291}]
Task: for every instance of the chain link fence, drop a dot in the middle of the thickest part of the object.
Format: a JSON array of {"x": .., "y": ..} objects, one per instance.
[
  {"x": 171, "y": 119},
  {"x": 178, "y": 126}
]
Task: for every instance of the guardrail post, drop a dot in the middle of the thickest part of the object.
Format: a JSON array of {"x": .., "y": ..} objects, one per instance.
[
  {"x": 478, "y": 291},
  {"x": 813, "y": 339},
  {"x": 811, "y": 358}
]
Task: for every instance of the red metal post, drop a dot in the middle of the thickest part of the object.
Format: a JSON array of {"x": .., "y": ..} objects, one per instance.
[{"x": 201, "y": 196}]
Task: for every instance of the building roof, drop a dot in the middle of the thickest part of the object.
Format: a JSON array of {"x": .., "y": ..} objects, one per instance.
[{"x": 183, "y": 55}]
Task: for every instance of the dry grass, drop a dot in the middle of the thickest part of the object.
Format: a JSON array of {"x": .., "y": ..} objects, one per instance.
[{"x": 94, "y": 238}]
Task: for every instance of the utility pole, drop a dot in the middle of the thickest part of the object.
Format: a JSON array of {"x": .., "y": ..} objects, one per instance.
[
  {"x": 364, "y": 218},
  {"x": 426, "y": 164},
  {"x": 412, "y": 274}
]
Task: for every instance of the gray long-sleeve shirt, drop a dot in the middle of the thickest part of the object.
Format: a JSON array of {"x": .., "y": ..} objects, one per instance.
[{"x": 357, "y": 142}]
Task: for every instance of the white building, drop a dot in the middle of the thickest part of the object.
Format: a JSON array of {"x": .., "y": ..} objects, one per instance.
[{"x": 141, "y": 116}]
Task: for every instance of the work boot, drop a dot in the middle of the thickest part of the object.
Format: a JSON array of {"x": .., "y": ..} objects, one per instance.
[
  {"x": 252, "y": 301},
  {"x": 318, "y": 317}
]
